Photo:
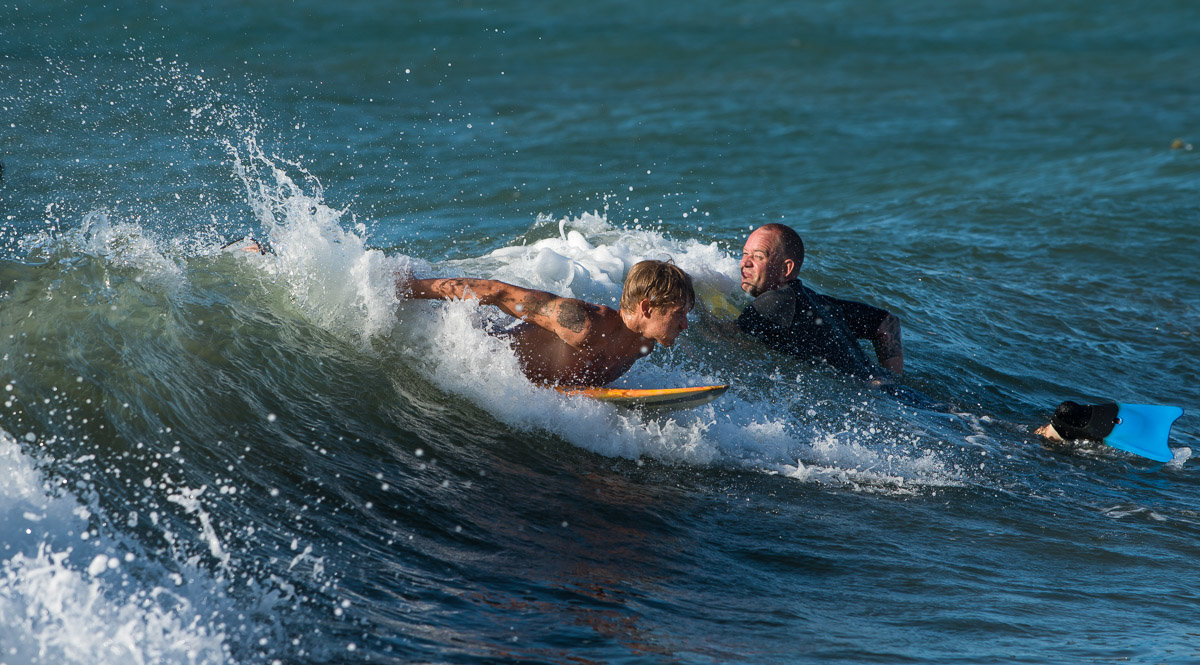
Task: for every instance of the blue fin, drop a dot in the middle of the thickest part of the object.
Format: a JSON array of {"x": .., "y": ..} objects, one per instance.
[{"x": 1142, "y": 429}]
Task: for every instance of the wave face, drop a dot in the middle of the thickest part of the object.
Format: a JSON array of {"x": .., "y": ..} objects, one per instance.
[{"x": 211, "y": 455}]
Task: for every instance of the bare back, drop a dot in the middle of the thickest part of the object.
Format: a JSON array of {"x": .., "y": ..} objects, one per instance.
[{"x": 560, "y": 340}]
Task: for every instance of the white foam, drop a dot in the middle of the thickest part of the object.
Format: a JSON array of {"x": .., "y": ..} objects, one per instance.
[
  {"x": 328, "y": 269},
  {"x": 1179, "y": 456},
  {"x": 190, "y": 500},
  {"x": 122, "y": 244},
  {"x": 64, "y": 599},
  {"x": 589, "y": 258}
]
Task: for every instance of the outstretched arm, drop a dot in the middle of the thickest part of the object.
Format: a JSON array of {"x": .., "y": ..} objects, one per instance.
[
  {"x": 887, "y": 345},
  {"x": 569, "y": 318}
]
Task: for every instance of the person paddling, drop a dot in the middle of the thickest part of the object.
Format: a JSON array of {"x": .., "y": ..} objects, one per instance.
[
  {"x": 1141, "y": 429},
  {"x": 790, "y": 317},
  {"x": 570, "y": 342}
]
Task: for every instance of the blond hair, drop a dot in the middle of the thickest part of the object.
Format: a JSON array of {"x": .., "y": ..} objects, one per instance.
[{"x": 663, "y": 283}]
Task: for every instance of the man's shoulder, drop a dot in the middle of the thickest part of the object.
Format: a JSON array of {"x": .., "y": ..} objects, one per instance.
[
  {"x": 604, "y": 319},
  {"x": 603, "y": 311},
  {"x": 776, "y": 307},
  {"x": 593, "y": 309},
  {"x": 797, "y": 288},
  {"x": 861, "y": 318},
  {"x": 802, "y": 291}
]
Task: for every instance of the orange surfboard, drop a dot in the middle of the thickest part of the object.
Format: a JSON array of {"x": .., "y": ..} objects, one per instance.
[{"x": 657, "y": 398}]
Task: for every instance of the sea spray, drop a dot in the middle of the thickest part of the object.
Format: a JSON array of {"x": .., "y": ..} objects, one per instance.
[{"x": 72, "y": 594}]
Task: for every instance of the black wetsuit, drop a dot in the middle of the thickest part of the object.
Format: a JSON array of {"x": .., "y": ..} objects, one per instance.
[
  {"x": 1075, "y": 421},
  {"x": 797, "y": 320}
]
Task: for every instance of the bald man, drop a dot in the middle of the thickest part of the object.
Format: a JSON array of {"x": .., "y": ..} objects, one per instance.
[{"x": 789, "y": 317}]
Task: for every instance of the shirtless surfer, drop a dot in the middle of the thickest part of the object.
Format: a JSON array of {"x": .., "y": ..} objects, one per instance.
[{"x": 566, "y": 341}]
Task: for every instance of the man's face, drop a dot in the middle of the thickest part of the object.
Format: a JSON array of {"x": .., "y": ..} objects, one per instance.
[
  {"x": 763, "y": 265},
  {"x": 664, "y": 324}
]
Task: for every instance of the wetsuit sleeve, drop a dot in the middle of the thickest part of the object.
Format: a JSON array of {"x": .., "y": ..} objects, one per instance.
[
  {"x": 862, "y": 319},
  {"x": 805, "y": 324}
]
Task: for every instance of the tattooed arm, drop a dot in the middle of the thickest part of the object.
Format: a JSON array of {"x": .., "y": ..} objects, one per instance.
[{"x": 571, "y": 319}]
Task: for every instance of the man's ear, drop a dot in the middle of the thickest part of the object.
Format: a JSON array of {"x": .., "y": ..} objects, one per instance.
[
  {"x": 789, "y": 269},
  {"x": 644, "y": 307}
]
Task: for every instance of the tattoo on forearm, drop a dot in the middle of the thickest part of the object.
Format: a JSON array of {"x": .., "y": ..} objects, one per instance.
[
  {"x": 572, "y": 316},
  {"x": 454, "y": 287}
]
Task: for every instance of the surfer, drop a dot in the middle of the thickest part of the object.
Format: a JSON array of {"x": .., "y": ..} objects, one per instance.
[
  {"x": 566, "y": 341},
  {"x": 794, "y": 319}
]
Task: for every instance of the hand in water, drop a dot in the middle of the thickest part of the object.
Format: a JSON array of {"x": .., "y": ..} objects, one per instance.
[{"x": 404, "y": 279}]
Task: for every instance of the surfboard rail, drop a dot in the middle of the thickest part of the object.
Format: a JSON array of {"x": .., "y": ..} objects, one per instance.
[{"x": 673, "y": 398}]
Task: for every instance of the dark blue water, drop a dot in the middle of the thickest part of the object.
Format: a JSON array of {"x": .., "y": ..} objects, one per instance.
[{"x": 221, "y": 457}]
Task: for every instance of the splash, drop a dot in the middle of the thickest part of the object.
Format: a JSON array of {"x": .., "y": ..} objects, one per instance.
[
  {"x": 66, "y": 597},
  {"x": 589, "y": 257},
  {"x": 328, "y": 270}
]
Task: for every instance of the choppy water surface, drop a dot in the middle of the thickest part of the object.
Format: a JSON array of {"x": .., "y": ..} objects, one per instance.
[{"x": 224, "y": 457}]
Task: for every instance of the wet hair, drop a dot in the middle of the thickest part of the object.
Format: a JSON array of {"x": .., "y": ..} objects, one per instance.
[
  {"x": 1075, "y": 421},
  {"x": 789, "y": 241},
  {"x": 663, "y": 283}
]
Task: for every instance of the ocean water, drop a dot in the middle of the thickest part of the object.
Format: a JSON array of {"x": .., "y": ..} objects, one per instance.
[{"x": 213, "y": 456}]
